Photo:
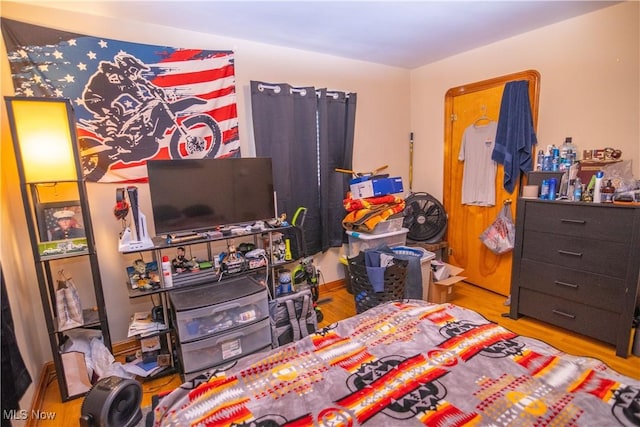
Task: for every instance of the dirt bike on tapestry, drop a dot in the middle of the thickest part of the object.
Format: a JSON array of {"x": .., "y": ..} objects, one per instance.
[{"x": 139, "y": 135}]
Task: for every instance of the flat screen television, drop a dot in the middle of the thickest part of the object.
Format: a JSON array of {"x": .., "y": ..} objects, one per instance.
[{"x": 202, "y": 194}]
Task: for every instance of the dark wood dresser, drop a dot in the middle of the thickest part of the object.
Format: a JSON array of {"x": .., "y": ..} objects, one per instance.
[{"x": 576, "y": 265}]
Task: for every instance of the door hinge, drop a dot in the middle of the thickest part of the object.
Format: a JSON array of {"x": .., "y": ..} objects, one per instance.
[{"x": 454, "y": 117}]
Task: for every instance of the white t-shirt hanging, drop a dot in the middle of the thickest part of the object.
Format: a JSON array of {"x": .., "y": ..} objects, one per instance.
[{"x": 479, "y": 172}]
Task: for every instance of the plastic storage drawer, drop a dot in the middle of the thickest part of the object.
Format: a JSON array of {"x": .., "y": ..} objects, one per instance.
[
  {"x": 208, "y": 310},
  {"x": 202, "y": 322},
  {"x": 361, "y": 241},
  {"x": 209, "y": 352}
]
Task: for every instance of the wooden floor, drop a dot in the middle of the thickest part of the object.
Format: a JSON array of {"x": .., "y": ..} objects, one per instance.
[{"x": 338, "y": 304}]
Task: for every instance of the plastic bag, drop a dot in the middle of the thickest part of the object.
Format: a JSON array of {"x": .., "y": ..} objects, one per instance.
[
  {"x": 500, "y": 236},
  {"x": 68, "y": 306},
  {"x": 621, "y": 175}
]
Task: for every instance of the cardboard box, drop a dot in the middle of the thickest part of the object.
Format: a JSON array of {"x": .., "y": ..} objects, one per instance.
[
  {"x": 364, "y": 187},
  {"x": 441, "y": 288}
]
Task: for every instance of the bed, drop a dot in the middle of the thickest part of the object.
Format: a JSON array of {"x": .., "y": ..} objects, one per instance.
[{"x": 408, "y": 363}]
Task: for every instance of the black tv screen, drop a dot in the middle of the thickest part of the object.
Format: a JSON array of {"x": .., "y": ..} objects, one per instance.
[{"x": 200, "y": 194}]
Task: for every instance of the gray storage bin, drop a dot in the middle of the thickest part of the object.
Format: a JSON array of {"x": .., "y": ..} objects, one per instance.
[{"x": 199, "y": 355}]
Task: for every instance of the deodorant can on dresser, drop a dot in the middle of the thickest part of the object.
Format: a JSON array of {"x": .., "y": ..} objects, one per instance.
[
  {"x": 544, "y": 189},
  {"x": 539, "y": 160},
  {"x": 553, "y": 184},
  {"x": 555, "y": 159}
]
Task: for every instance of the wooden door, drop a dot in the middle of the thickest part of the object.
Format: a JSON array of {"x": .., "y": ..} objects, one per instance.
[{"x": 463, "y": 106}]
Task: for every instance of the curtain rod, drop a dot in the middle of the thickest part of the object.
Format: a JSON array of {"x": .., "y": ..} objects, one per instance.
[{"x": 301, "y": 91}]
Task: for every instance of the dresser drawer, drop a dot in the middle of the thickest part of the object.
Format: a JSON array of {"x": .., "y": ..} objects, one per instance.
[
  {"x": 199, "y": 355},
  {"x": 592, "y": 289},
  {"x": 610, "y": 258},
  {"x": 598, "y": 222},
  {"x": 583, "y": 319},
  {"x": 201, "y": 322}
]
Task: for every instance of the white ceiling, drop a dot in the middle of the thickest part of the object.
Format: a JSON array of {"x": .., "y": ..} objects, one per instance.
[{"x": 405, "y": 34}]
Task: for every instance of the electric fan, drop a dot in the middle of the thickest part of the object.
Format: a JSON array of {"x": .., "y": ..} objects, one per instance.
[
  {"x": 424, "y": 217},
  {"x": 112, "y": 402}
]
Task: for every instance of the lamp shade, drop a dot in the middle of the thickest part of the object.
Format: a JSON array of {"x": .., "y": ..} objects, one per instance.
[{"x": 44, "y": 138}]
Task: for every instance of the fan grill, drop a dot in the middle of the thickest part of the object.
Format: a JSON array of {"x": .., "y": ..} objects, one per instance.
[
  {"x": 112, "y": 402},
  {"x": 425, "y": 218}
]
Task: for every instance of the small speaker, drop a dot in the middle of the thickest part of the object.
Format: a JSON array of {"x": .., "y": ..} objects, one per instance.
[{"x": 157, "y": 315}]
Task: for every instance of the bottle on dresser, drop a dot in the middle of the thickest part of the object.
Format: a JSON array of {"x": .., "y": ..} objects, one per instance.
[
  {"x": 597, "y": 188},
  {"x": 577, "y": 189},
  {"x": 607, "y": 192},
  {"x": 568, "y": 153},
  {"x": 540, "y": 160}
]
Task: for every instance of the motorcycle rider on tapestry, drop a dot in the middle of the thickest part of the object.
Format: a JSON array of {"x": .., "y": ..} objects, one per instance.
[{"x": 118, "y": 95}]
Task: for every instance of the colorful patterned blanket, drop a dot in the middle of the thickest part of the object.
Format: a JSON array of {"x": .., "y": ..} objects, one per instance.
[
  {"x": 364, "y": 214},
  {"x": 408, "y": 363}
]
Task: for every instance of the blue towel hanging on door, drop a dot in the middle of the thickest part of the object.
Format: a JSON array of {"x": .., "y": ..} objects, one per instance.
[{"x": 515, "y": 136}]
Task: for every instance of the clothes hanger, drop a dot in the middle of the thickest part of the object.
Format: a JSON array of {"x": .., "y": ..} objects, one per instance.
[{"x": 482, "y": 118}]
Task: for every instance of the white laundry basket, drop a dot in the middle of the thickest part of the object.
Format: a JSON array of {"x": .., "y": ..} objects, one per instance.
[{"x": 425, "y": 262}]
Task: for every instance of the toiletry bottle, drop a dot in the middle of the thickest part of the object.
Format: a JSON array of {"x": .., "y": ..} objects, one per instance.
[
  {"x": 607, "y": 192},
  {"x": 597, "y": 188},
  {"x": 544, "y": 189},
  {"x": 555, "y": 159},
  {"x": 577, "y": 189},
  {"x": 567, "y": 149},
  {"x": 539, "y": 160},
  {"x": 546, "y": 162},
  {"x": 167, "y": 275},
  {"x": 553, "y": 184}
]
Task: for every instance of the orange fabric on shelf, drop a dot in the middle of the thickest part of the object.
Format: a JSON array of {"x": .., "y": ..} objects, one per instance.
[
  {"x": 356, "y": 204},
  {"x": 364, "y": 214}
]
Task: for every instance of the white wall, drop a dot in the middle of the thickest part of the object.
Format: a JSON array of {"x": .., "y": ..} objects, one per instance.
[
  {"x": 589, "y": 87},
  {"x": 382, "y": 119}
]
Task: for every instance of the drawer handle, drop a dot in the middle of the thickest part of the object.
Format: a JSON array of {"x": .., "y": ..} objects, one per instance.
[
  {"x": 573, "y": 221},
  {"x": 578, "y": 254},
  {"x": 568, "y": 285},
  {"x": 563, "y": 314},
  {"x": 224, "y": 307}
]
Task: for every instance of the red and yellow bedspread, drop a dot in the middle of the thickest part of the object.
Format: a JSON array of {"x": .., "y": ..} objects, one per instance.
[{"x": 408, "y": 363}]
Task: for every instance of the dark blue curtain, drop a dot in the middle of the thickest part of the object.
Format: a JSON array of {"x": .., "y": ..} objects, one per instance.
[{"x": 307, "y": 133}]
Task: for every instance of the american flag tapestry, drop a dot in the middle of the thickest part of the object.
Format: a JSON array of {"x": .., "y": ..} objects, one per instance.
[{"x": 132, "y": 102}]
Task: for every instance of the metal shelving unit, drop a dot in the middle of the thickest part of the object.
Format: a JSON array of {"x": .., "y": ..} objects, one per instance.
[{"x": 51, "y": 180}]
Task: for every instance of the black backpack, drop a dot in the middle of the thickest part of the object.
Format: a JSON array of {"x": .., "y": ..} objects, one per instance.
[{"x": 292, "y": 317}]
